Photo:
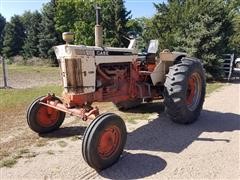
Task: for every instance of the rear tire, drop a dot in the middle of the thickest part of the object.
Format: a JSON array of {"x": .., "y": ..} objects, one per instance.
[
  {"x": 184, "y": 91},
  {"x": 103, "y": 141},
  {"x": 43, "y": 119}
]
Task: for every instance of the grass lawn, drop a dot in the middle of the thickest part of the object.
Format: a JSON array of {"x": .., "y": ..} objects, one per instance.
[
  {"x": 10, "y": 98},
  {"x": 213, "y": 86}
]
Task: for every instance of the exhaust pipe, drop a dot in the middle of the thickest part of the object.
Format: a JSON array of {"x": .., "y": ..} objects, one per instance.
[{"x": 98, "y": 29}]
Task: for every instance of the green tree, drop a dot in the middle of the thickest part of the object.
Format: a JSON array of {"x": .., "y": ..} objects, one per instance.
[
  {"x": 48, "y": 36},
  {"x": 201, "y": 28},
  {"x": 138, "y": 27},
  {"x": 79, "y": 17},
  {"x": 234, "y": 14},
  {"x": 115, "y": 18},
  {"x": 207, "y": 35},
  {"x": 135, "y": 27},
  {"x": 2, "y": 25},
  {"x": 13, "y": 37},
  {"x": 32, "y": 31},
  {"x": 84, "y": 24}
]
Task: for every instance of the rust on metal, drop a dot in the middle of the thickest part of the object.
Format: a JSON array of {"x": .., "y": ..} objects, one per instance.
[
  {"x": 84, "y": 112},
  {"x": 47, "y": 116}
]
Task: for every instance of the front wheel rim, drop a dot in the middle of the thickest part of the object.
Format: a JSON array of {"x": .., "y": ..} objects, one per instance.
[
  {"x": 46, "y": 116},
  {"x": 109, "y": 142},
  {"x": 193, "y": 95}
]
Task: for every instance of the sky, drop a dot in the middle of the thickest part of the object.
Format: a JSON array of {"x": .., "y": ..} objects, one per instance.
[{"x": 8, "y": 8}]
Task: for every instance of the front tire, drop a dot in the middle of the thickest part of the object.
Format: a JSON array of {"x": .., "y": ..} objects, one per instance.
[
  {"x": 184, "y": 91},
  {"x": 43, "y": 119},
  {"x": 103, "y": 141}
]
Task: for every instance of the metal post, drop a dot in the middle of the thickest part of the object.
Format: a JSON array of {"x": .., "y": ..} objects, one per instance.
[
  {"x": 231, "y": 67},
  {"x": 4, "y": 73}
]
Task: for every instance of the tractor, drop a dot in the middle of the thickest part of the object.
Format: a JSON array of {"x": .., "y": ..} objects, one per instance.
[{"x": 125, "y": 78}]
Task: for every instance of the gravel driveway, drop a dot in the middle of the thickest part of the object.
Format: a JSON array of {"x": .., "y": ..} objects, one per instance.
[{"x": 156, "y": 149}]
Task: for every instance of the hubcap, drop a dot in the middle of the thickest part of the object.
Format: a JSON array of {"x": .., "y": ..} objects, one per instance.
[
  {"x": 47, "y": 116},
  {"x": 109, "y": 142},
  {"x": 193, "y": 91}
]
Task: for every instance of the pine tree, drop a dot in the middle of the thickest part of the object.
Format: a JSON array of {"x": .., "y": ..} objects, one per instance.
[
  {"x": 234, "y": 7},
  {"x": 2, "y": 25},
  {"x": 115, "y": 20},
  {"x": 13, "y": 37},
  {"x": 235, "y": 38},
  {"x": 168, "y": 22},
  {"x": 201, "y": 28},
  {"x": 48, "y": 36},
  {"x": 206, "y": 35},
  {"x": 32, "y": 32}
]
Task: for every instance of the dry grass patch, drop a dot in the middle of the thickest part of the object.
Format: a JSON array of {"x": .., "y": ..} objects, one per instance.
[
  {"x": 213, "y": 86},
  {"x": 62, "y": 144},
  {"x": 75, "y": 138},
  {"x": 31, "y": 155},
  {"x": 50, "y": 152},
  {"x": 41, "y": 143},
  {"x": 10, "y": 162}
]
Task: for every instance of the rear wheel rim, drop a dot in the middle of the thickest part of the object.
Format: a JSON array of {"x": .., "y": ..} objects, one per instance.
[
  {"x": 193, "y": 91},
  {"x": 46, "y": 116},
  {"x": 109, "y": 142}
]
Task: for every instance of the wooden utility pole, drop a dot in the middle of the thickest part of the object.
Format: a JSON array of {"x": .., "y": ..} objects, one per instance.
[{"x": 4, "y": 73}]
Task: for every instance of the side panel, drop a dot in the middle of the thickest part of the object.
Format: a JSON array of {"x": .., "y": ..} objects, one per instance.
[
  {"x": 166, "y": 60},
  {"x": 158, "y": 75},
  {"x": 89, "y": 74},
  {"x": 160, "y": 71},
  {"x": 79, "y": 74}
]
